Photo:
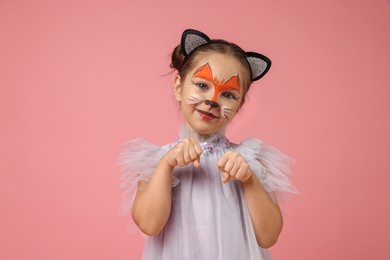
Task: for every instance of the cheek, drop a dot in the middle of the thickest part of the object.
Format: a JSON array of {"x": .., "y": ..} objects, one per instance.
[
  {"x": 232, "y": 104},
  {"x": 191, "y": 97},
  {"x": 228, "y": 112}
]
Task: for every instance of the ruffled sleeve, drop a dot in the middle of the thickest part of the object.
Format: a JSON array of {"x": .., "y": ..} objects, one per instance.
[
  {"x": 137, "y": 160},
  {"x": 271, "y": 166}
]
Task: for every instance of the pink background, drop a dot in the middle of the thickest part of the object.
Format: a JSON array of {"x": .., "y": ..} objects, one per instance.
[{"x": 78, "y": 78}]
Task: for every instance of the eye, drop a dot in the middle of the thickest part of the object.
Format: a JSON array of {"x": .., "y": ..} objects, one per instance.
[
  {"x": 200, "y": 85},
  {"x": 229, "y": 95}
]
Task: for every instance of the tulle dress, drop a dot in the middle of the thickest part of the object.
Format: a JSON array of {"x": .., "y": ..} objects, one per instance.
[{"x": 208, "y": 219}]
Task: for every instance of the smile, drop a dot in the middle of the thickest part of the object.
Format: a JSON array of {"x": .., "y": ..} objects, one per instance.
[{"x": 206, "y": 115}]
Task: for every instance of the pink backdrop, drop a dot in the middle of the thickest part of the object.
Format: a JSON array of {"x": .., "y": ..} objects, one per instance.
[{"x": 78, "y": 78}]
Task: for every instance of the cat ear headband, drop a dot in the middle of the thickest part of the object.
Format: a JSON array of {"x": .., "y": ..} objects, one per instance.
[{"x": 192, "y": 39}]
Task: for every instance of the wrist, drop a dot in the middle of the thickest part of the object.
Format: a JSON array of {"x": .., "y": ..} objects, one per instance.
[
  {"x": 164, "y": 162},
  {"x": 250, "y": 180}
]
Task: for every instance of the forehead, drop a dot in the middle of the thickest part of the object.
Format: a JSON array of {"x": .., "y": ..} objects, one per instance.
[{"x": 223, "y": 66}]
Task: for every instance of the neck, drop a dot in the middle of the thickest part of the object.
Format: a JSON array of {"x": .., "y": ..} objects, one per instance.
[
  {"x": 187, "y": 131},
  {"x": 210, "y": 143}
]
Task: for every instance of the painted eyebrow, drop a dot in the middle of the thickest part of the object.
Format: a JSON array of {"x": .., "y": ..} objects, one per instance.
[{"x": 205, "y": 72}]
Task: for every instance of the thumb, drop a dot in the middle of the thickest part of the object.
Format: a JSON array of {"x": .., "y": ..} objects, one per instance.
[{"x": 226, "y": 177}]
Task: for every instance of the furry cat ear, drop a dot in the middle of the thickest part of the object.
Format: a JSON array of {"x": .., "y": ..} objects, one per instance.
[
  {"x": 192, "y": 39},
  {"x": 259, "y": 64}
]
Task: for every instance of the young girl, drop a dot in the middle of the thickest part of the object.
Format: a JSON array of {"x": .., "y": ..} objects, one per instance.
[{"x": 203, "y": 197}]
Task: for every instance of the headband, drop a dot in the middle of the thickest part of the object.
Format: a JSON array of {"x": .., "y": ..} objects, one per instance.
[{"x": 192, "y": 39}]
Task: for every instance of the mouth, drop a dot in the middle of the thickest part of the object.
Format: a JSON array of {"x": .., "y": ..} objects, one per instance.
[{"x": 206, "y": 115}]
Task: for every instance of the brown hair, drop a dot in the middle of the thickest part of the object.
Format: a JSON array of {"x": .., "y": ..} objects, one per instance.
[{"x": 183, "y": 63}]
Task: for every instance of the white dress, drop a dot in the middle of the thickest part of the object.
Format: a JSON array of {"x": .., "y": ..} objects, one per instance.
[{"x": 208, "y": 219}]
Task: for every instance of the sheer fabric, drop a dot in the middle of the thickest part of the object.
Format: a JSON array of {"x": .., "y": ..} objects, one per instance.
[{"x": 208, "y": 219}]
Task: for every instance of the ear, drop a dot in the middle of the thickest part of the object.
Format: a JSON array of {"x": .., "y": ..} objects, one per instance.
[
  {"x": 177, "y": 88},
  {"x": 192, "y": 39},
  {"x": 259, "y": 64}
]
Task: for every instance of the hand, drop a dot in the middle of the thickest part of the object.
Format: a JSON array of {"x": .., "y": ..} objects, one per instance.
[
  {"x": 186, "y": 152},
  {"x": 233, "y": 166}
]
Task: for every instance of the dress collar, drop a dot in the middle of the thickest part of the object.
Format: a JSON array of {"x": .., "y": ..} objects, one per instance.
[{"x": 211, "y": 143}]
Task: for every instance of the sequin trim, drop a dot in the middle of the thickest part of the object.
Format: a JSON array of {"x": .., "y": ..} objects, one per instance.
[{"x": 218, "y": 145}]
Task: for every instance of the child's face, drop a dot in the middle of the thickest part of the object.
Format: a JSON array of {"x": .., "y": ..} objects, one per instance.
[{"x": 211, "y": 93}]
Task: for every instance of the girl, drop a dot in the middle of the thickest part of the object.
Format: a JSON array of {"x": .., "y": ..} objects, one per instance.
[{"x": 203, "y": 197}]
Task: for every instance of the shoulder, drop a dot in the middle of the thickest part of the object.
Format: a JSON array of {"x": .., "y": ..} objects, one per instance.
[
  {"x": 257, "y": 147},
  {"x": 137, "y": 159},
  {"x": 249, "y": 143},
  {"x": 140, "y": 144},
  {"x": 141, "y": 149},
  {"x": 139, "y": 155},
  {"x": 251, "y": 147}
]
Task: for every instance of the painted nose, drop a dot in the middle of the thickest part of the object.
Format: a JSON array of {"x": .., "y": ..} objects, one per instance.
[{"x": 212, "y": 104}]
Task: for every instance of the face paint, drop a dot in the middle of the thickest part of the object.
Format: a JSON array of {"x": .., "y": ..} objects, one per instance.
[
  {"x": 206, "y": 73},
  {"x": 194, "y": 100},
  {"x": 195, "y": 90},
  {"x": 227, "y": 112}
]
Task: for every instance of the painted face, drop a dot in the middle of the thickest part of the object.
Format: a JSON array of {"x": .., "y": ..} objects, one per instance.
[
  {"x": 211, "y": 93},
  {"x": 206, "y": 73}
]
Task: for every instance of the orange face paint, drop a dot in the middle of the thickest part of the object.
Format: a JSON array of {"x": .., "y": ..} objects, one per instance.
[{"x": 206, "y": 73}]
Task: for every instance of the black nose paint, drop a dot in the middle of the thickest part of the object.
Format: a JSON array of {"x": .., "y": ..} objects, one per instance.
[{"x": 212, "y": 104}]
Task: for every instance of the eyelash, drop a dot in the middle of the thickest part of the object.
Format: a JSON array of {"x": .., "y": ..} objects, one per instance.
[
  {"x": 200, "y": 85},
  {"x": 229, "y": 95},
  {"x": 204, "y": 86}
]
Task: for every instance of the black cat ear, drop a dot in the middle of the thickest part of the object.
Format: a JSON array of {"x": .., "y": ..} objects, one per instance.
[
  {"x": 259, "y": 64},
  {"x": 192, "y": 39}
]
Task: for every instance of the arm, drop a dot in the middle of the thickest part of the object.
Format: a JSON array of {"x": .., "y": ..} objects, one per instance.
[
  {"x": 265, "y": 214},
  {"x": 152, "y": 205}
]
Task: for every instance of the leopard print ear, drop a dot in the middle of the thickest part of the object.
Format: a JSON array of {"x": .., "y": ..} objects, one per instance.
[
  {"x": 259, "y": 64},
  {"x": 192, "y": 39}
]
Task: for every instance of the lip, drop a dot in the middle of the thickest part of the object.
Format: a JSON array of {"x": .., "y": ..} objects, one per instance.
[{"x": 206, "y": 115}]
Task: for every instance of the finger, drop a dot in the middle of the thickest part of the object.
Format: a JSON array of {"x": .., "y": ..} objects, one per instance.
[
  {"x": 229, "y": 166},
  {"x": 170, "y": 160},
  {"x": 197, "y": 163},
  {"x": 184, "y": 150},
  {"x": 178, "y": 156},
  {"x": 172, "y": 155},
  {"x": 241, "y": 173},
  {"x": 192, "y": 152},
  {"x": 222, "y": 161},
  {"x": 197, "y": 148},
  {"x": 226, "y": 177},
  {"x": 233, "y": 171},
  {"x": 247, "y": 178},
  {"x": 186, "y": 156}
]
